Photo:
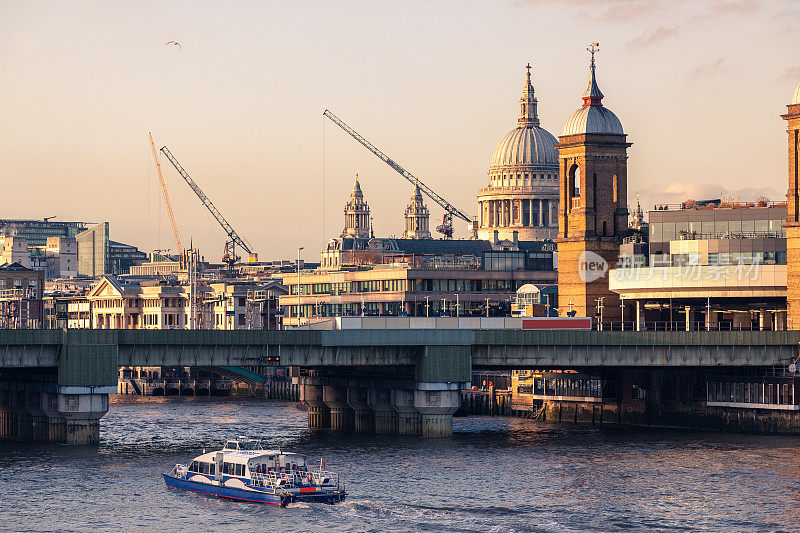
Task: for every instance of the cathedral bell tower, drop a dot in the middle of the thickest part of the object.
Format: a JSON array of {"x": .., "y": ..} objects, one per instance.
[
  {"x": 792, "y": 225},
  {"x": 593, "y": 204},
  {"x": 356, "y": 215}
]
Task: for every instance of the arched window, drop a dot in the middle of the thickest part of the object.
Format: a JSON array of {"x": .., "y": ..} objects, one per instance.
[
  {"x": 605, "y": 228},
  {"x": 575, "y": 180}
]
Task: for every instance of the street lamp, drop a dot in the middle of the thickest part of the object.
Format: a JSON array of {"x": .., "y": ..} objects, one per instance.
[{"x": 298, "y": 285}]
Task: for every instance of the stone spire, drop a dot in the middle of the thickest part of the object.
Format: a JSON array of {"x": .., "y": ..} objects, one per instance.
[
  {"x": 592, "y": 96},
  {"x": 527, "y": 104},
  {"x": 356, "y": 215},
  {"x": 417, "y": 218},
  {"x": 637, "y": 219}
]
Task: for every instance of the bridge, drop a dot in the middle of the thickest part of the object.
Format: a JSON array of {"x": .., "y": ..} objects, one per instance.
[{"x": 54, "y": 384}]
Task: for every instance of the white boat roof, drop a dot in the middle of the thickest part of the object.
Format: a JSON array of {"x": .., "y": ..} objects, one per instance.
[{"x": 244, "y": 455}]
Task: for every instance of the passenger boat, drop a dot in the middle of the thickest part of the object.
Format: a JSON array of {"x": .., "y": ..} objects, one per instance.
[{"x": 244, "y": 470}]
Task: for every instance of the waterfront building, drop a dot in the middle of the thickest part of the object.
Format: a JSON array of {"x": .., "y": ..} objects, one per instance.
[
  {"x": 434, "y": 285},
  {"x": 416, "y": 219},
  {"x": 522, "y": 195},
  {"x": 593, "y": 206},
  {"x": 116, "y": 304},
  {"x": 707, "y": 265},
  {"x": 357, "y": 222},
  {"x": 792, "y": 118},
  {"x": 21, "y": 292}
]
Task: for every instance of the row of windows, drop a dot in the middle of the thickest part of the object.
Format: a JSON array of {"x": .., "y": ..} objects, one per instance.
[
  {"x": 503, "y": 262},
  {"x": 525, "y": 176},
  {"x": 670, "y": 231},
  {"x": 201, "y": 467},
  {"x": 727, "y": 259}
]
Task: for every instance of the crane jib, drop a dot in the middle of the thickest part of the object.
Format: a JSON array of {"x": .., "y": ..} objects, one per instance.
[
  {"x": 207, "y": 202},
  {"x": 447, "y": 206}
]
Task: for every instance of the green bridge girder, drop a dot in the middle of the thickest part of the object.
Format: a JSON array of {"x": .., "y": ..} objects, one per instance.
[{"x": 92, "y": 357}]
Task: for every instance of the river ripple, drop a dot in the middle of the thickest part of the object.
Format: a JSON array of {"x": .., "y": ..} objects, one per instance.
[{"x": 495, "y": 474}]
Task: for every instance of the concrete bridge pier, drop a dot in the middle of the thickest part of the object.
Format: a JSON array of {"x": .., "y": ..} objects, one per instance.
[
  {"x": 74, "y": 414},
  {"x": 407, "y": 414},
  {"x": 364, "y": 416},
  {"x": 335, "y": 397},
  {"x": 319, "y": 415},
  {"x": 436, "y": 403},
  {"x": 379, "y": 400}
]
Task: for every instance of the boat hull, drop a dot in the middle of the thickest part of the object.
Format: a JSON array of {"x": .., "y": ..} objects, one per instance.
[{"x": 281, "y": 498}]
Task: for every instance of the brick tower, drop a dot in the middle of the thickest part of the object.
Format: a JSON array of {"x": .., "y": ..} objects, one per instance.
[
  {"x": 593, "y": 204},
  {"x": 792, "y": 224}
]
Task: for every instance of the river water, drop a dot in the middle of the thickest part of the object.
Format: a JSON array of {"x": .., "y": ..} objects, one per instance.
[{"x": 495, "y": 474}]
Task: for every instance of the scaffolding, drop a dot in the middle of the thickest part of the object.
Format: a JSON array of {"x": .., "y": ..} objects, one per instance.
[{"x": 15, "y": 308}]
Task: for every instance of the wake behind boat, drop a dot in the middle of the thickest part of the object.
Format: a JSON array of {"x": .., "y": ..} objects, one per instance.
[{"x": 243, "y": 470}]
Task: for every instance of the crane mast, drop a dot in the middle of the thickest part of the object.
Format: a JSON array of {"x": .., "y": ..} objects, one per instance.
[
  {"x": 165, "y": 194},
  {"x": 450, "y": 210},
  {"x": 233, "y": 238}
]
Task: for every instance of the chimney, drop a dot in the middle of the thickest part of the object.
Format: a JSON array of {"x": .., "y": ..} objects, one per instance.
[
  {"x": 515, "y": 237},
  {"x": 496, "y": 237}
]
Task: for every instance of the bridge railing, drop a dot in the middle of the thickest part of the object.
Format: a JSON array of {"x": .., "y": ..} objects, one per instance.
[{"x": 678, "y": 325}]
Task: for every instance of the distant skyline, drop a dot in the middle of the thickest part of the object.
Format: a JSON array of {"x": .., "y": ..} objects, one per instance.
[{"x": 699, "y": 87}]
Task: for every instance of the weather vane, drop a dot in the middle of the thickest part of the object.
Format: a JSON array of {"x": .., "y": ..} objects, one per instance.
[{"x": 594, "y": 47}]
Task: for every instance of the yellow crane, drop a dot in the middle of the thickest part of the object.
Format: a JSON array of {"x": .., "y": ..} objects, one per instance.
[{"x": 166, "y": 196}]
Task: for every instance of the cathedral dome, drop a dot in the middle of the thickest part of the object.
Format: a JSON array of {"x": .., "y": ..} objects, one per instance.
[
  {"x": 796, "y": 97},
  {"x": 592, "y": 117},
  {"x": 529, "y": 145}
]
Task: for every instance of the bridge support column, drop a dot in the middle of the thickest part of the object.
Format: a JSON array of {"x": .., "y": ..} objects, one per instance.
[
  {"x": 319, "y": 416},
  {"x": 74, "y": 414},
  {"x": 407, "y": 414},
  {"x": 341, "y": 413},
  {"x": 436, "y": 403},
  {"x": 364, "y": 417},
  {"x": 380, "y": 401}
]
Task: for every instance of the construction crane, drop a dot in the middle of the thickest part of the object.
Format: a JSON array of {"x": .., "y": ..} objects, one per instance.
[
  {"x": 450, "y": 211},
  {"x": 165, "y": 194},
  {"x": 229, "y": 256}
]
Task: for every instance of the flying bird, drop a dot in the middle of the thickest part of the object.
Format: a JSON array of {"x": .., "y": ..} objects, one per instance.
[{"x": 176, "y": 43}]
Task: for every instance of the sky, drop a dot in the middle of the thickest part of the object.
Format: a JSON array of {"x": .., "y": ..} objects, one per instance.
[{"x": 698, "y": 85}]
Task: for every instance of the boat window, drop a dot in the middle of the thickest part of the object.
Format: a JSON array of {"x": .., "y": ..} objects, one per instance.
[
  {"x": 226, "y": 468},
  {"x": 238, "y": 470},
  {"x": 193, "y": 466},
  {"x": 213, "y": 469},
  {"x": 206, "y": 468}
]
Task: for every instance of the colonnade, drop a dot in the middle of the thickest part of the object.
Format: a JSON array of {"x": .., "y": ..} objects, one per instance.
[{"x": 522, "y": 212}]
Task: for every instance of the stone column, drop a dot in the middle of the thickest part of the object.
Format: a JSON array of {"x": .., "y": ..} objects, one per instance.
[
  {"x": 639, "y": 314},
  {"x": 341, "y": 413},
  {"x": 541, "y": 210},
  {"x": 364, "y": 417},
  {"x": 407, "y": 414},
  {"x": 688, "y": 310},
  {"x": 319, "y": 416},
  {"x": 436, "y": 408},
  {"x": 741, "y": 321},
  {"x": 380, "y": 401}
]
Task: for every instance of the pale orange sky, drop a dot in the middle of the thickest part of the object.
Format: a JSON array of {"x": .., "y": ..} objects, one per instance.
[{"x": 697, "y": 85}]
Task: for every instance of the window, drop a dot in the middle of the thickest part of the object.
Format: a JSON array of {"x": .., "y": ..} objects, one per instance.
[{"x": 239, "y": 470}]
